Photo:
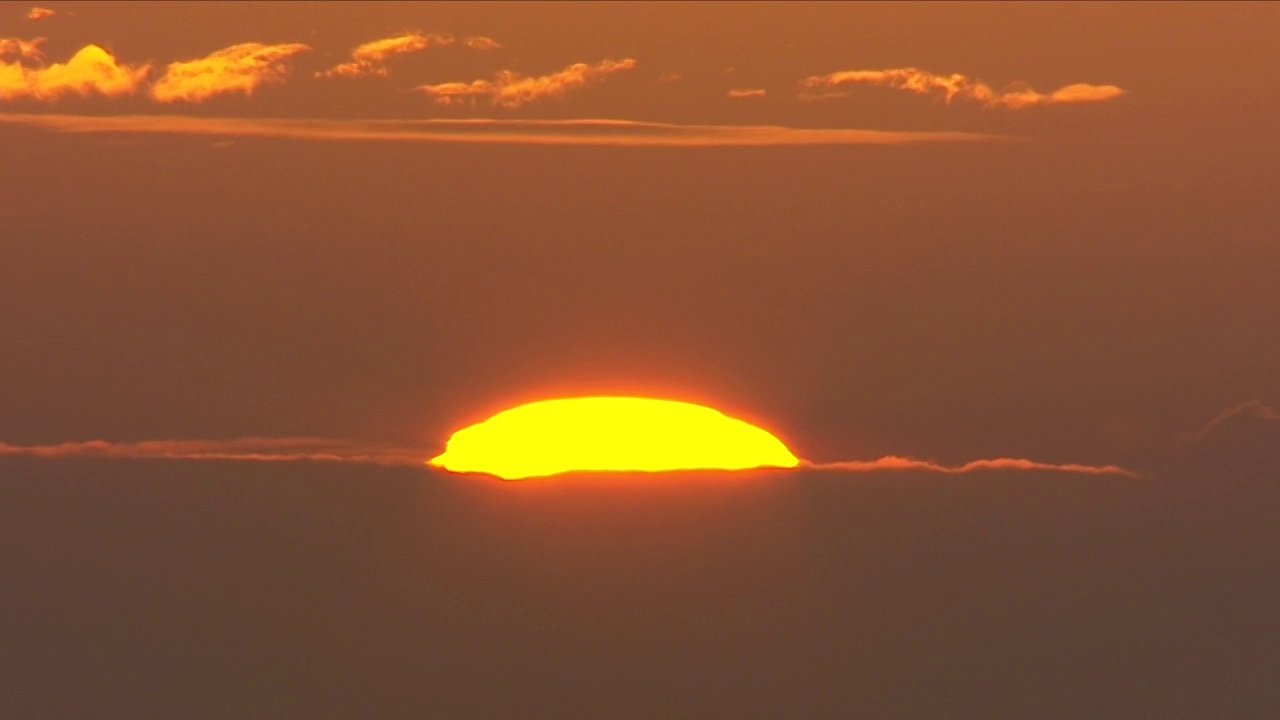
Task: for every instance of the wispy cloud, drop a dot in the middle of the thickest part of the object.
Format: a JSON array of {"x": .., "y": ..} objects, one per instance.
[
  {"x": 491, "y": 131},
  {"x": 895, "y": 462},
  {"x": 512, "y": 90},
  {"x": 24, "y": 49},
  {"x": 950, "y": 87},
  {"x": 747, "y": 93},
  {"x": 480, "y": 42},
  {"x": 254, "y": 449},
  {"x": 371, "y": 57},
  {"x": 1254, "y": 409},
  {"x": 91, "y": 70},
  {"x": 36, "y": 14},
  {"x": 237, "y": 69},
  {"x": 378, "y": 51}
]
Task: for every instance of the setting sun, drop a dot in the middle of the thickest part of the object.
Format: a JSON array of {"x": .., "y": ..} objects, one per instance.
[{"x": 610, "y": 434}]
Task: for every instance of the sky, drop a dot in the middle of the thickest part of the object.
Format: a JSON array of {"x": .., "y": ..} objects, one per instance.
[{"x": 1026, "y": 251}]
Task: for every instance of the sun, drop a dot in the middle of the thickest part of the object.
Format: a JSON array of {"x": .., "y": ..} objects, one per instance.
[{"x": 610, "y": 434}]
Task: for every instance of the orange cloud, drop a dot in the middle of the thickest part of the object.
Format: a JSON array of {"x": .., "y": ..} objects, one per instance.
[
  {"x": 379, "y": 50},
  {"x": 895, "y": 462},
  {"x": 24, "y": 49},
  {"x": 255, "y": 449},
  {"x": 950, "y": 87},
  {"x": 237, "y": 69},
  {"x": 1254, "y": 409},
  {"x": 370, "y": 58},
  {"x": 38, "y": 13},
  {"x": 747, "y": 93},
  {"x": 510, "y": 90},
  {"x": 480, "y": 42},
  {"x": 91, "y": 70},
  {"x": 623, "y": 133}
]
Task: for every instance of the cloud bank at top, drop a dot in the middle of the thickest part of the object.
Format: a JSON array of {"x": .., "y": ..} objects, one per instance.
[{"x": 243, "y": 68}]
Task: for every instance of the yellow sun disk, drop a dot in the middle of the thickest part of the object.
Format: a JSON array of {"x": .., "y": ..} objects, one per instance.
[{"x": 613, "y": 434}]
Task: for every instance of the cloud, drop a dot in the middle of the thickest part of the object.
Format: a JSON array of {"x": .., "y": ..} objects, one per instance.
[
  {"x": 237, "y": 69},
  {"x": 23, "y": 49},
  {"x": 1241, "y": 444},
  {"x": 1253, "y": 409},
  {"x": 491, "y": 131},
  {"x": 511, "y": 90},
  {"x": 480, "y": 42},
  {"x": 256, "y": 449},
  {"x": 457, "y": 93},
  {"x": 312, "y": 449},
  {"x": 91, "y": 70},
  {"x": 371, "y": 57},
  {"x": 747, "y": 93},
  {"x": 895, "y": 462},
  {"x": 379, "y": 50},
  {"x": 949, "y": 87},
  {"x": 36, "y": 14}
]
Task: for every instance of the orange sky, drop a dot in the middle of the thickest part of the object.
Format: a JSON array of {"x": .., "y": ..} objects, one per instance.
[
  {"x": 610, "y": 57},
  {"x": 873, "y": 222},
  {"x": 1004, "y": 277}
]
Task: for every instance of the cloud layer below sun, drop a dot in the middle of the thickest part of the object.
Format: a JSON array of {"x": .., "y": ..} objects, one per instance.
[
  {"x": 249, "y": 449},
  {"x": 1250, "y": 422},
  {"x": 310, "y": 449},
  {"x": 896, "y": 462},
  {"x": 1241, "y": 421}
]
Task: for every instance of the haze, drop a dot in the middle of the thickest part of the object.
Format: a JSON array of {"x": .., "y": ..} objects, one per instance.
[{"x": 947, "y": 232}]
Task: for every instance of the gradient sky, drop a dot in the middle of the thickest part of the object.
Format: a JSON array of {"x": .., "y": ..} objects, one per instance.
[{"x": 948, "y": 231}]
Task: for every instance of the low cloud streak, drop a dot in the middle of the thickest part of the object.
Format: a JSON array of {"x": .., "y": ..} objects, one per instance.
[
  {"x": 1255, "y": 409},
  {"x": 896, "y": 462},
  {"x": 313, "y": 449},
  {"x": 249, "y": 449},
  {"x": 491, "y": 131}
]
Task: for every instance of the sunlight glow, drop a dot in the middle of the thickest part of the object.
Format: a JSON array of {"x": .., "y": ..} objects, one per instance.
[{"x": 610, "y": 434}]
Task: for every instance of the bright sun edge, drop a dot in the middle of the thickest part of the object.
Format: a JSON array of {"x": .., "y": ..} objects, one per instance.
[{"x": 609, "y": 434}]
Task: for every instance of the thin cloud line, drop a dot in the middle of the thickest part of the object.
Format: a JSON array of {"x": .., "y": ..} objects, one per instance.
[
  {"x": 896, "y": 462},
  {"x": 313, "y": 449},
  {"x": 493, "y": 131},
  {"x": 250, "y": 449},
  {"x": 1253, "y": 408}
]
